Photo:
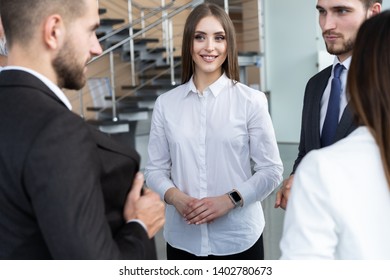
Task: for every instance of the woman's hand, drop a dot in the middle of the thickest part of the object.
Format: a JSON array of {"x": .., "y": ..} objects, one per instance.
[
  {"x": 207, "y": 209},
  {"x": 179, "y": 199}
]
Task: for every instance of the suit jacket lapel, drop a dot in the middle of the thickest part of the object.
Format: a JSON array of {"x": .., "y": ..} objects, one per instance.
[
  {"x": 345, "y": 124},
  {"x": 318, "y": 92},
  {"x": 105, "y": 142}
]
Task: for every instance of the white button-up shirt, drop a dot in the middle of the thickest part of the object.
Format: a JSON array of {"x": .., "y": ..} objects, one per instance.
[{"x": 203, "y": 144}]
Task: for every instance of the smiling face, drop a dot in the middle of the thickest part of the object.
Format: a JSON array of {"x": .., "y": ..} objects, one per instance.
[{"x": 209, "y": 48}]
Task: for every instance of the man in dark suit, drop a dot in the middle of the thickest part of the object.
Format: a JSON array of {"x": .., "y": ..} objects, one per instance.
[
  {"x": 339, "y": 21},
  {"x": 64, "y": 187}
]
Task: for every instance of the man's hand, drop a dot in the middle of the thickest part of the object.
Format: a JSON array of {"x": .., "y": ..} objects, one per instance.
[
  {"x": 284, "y": 193},
  {"x": 147, "y": 208}
]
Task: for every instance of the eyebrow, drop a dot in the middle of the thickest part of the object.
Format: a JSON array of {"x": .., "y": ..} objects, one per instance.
[
  {"x": 334, "y": 7},
  {"x": 202, "y": 32}
]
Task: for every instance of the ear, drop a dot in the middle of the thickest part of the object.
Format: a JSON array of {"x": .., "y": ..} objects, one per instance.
[
  {"x": 374, "y": 10},
  {"x": 54, "y": 31}
]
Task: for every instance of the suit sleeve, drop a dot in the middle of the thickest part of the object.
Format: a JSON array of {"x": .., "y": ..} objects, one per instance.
[
  {"x": 310, "y": 124},
  {"x": 302, "y": 150},
  {"x": 62, "y": 180}
]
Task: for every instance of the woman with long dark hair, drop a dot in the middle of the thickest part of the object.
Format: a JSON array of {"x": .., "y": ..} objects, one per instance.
[{"x": 204, "y": 136}]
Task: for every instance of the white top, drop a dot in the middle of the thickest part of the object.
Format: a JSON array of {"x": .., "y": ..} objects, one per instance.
[
  {"x": 202, "y": 144},
  {"x": 343, "y": 96},
  {"x": 340, "y": 203}
]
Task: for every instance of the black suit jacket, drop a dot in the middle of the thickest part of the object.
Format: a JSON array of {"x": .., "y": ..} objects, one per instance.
[
  {"x": 310, "y": 129},
  {"x": 62, "y": 183}
]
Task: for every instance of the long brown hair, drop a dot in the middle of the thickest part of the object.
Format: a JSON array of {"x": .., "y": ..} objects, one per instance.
[
  {"x": 369, "y": 82},
  {"x": 230, "y": 66}
]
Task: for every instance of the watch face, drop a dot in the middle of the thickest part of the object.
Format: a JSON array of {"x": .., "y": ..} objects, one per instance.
[{"x": 235, "y": 196}]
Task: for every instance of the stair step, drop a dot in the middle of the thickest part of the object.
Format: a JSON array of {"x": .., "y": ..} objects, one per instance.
[
  {"x": 142, "y": 101},
  {"x": 111, "y": 21},
  {"x": 139, "y": 41},
  {"x": 164, "y": 66},
  {"x": 119, "y": 110},
  {"x": 159, "y": 79},
  {"x": 132, "y": 98},
  {"x": 108, "y": 125},
  {"x": 121, "y": 35},
  {"x": 166, "y": 76},
  {"x": 106, "y": 26},
  {"x": 125, "y": 32},
  {"x": 156, "y": 50},
  {"x": 150, "y": 87}
]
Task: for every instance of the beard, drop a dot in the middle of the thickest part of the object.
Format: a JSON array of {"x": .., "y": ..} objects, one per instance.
[
  {"x": 70, "y": 72},
  {"x": 3, "y": 46},
  {"x": 347, "y": 47}
]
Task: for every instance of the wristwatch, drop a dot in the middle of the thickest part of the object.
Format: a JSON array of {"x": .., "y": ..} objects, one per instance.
[{"x": 236, "y": 198}]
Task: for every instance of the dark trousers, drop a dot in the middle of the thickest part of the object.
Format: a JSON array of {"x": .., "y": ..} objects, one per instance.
[{"x": 256, "y": 252}]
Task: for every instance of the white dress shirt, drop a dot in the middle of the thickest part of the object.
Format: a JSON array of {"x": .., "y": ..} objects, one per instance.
[
  {"x": 339, "y": 206},
  {"x": 203, "y": 144},
  {"x": 343, "y": 97}
]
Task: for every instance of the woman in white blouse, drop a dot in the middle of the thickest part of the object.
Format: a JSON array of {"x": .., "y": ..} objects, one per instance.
[
  {"x": 205, "y": 134},
  {"x": 340, "y": 203}
]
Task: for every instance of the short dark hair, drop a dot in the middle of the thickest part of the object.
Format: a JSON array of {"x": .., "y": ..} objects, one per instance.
[
  {"x": 369, "y": 3},
  {"x": 230, "y": 66},
  {"x": 21, "y": 17},
  {"x": 369, "y": 84}
]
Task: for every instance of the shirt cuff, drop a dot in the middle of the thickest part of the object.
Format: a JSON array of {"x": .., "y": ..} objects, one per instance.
[{"x": 140, "y": 222}]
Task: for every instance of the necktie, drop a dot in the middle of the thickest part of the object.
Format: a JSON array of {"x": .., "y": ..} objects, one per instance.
[{"x": 333, "y": 111}]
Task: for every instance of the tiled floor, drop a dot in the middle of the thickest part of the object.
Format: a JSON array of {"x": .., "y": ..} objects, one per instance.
[{"x": 274, "y": 217}]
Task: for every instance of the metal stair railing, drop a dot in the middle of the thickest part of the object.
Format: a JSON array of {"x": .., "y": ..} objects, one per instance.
[{"x": 137, "y": 21}]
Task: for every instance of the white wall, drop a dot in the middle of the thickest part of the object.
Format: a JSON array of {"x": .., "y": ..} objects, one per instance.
[{"x": 291, "y": 59}]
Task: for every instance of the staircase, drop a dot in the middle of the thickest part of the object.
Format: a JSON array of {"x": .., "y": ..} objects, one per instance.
[{"x": 141, "y": 60}]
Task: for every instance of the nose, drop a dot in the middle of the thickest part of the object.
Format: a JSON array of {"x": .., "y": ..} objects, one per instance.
[
  {"x": 328, "y": 22},
  {"x": 96, "y": 48},
  {"x": 209, "y": 45}
]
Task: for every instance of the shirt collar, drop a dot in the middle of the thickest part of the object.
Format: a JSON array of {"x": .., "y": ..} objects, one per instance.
[
  {"x": 215, "y": 88},
  {"x": 191, "y": 88},
  {"x": 53, "y": 87},
  {"x": 346, "y": 63}
]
